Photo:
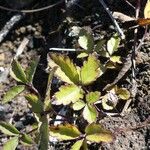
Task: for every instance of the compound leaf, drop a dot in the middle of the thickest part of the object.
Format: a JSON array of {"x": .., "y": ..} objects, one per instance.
[
  {"x": 8, "y": 128},
  {"x": 86, "y": 40},
  {"x": 78, "y": 105},
  {"x": 92, "y": 97},
  {"x": 89, "y": 113},
  {"x": 11, "y": 144},
  {"x": 68, "y": 94},
  {"x": 96, "y": 133},
  {"x": 17, "y": 72},
  {"x": 64, "y": 132},
  {"x": 91, "y": 70},
  {"x": 35, "y": 103},
  {"x": 13, "y": 92},
  {"x": 66, "y": 70}
]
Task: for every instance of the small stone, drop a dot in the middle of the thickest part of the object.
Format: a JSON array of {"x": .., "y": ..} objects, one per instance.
[{"x": 23, "y": 30}]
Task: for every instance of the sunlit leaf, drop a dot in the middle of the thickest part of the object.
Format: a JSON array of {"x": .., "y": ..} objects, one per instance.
[
  {"x": 91, "y": 70},
  {"x": 147, "y": 10},
  {"x": 96, "y": 133},
  {"x": 44, "y": 134},
  {"x": 8, "y": 129},
  {"x": 30, "y": 71},
  {"x": 89, "y": 113},
  {"x": 78, "y": 105},
  {"x": 77, "y": 145},
  {"x": 35, "y": 103},
  {"x": 113, "y": 44},
  {"x": 13, "y": 92},
  {"x": 123, "y": 93},
  {"x": 68, "y": 94},
  {"x": 86, "y": 40},
  {"x": 64, "y": 132},
  {"x": 11, "y": 144},
  {"x": 26, "y": 139},
  {"x": 66, "y": 70},
  {"x": 17, "y": 72},
  {"x": 92, "y": 97},
  {"x": 116, "y": 59},
  {"x": 82, "y": 55}
]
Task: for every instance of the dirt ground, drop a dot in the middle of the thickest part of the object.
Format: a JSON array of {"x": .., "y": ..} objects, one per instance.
[{"x": 130, "y": 130}]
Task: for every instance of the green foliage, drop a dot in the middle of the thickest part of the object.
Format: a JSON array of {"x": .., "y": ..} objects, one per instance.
[
  {"x": 112, "y": 45},
  {"x": 76, "y": 91},
  {"x": 86, "y": 40},
  {"x": 93, "y": 65},
  {"x": 30, "y": 71},
  {"x": 17, "y": 72},
  {"x": 65, "y": 132},
  {"x": 89, "y": 113},
  {"x": 12, "y": 93},
  {"x": 11, "y": 144},
  {"x": 92, "y": 97},
  {"x": 93, "y": 133},
  {"x": 123, "y": 93},
  {"x": 8, "y": 129},
  {"x": 68, "y": 94},
  {"x": 66, "y": 69},
  {"x": 35, "y": 103},
  {"x": 26, "y": 140},
  {"x": 78, "y": 105},
  {"x": 77, "y": 145},
  {"x": 96, "y": 133}
]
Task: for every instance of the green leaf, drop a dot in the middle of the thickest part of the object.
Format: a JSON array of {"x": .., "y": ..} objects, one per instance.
[
  {"x": 68, "y": 94},
  {"x": 66, "y": 70},
  {"x": 86, "y": 40},
  {"x": 35, "y": 102},
  {"x": 26, "y": 139},
  {"x": 116, "y": 59},
  {"x": 12, "y": 93},
  {"x": 11, "y": 144},
  {"x": 77, "y": 145},
  {"x": 123, "y": 93},
  {"x": 8, "y": 128},
  {"x": 65, "y": 132},
  {"x": 82, "y": 55},
  {"x": 17, "y": 72},
  {"x": 92, "y": 97},
  {"x": 91, "y": 70},
  {"x": 30, "y": 71},
  {"x": 113, "y": 44},
  {"x": 99, "y": 45},
  {"x": 89, "y": 113},
  {"x": 44, "y": 134},
  {"x": 78, "y": 105},
  {"x": 96, "y": 133}
]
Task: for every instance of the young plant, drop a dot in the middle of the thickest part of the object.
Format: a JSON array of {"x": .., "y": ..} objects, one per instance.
[
  {"x": 38, "y": 106},
  {"x": 77, "y": 79}
]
